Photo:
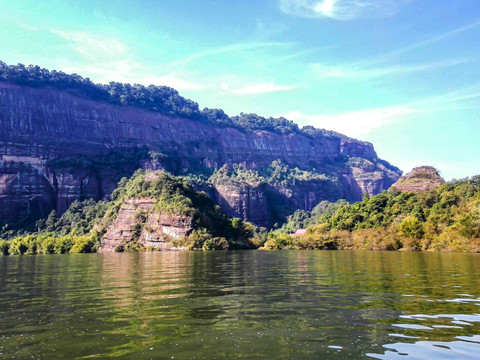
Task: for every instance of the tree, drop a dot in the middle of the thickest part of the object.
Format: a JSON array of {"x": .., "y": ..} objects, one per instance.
[{"x": 50, "y": 223}]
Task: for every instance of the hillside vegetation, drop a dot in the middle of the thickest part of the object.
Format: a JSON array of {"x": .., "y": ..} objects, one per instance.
[{"x": 446, "y": 218}]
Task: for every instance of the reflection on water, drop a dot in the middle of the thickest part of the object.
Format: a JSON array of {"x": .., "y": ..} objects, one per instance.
[{"x": 245, "y": 304}]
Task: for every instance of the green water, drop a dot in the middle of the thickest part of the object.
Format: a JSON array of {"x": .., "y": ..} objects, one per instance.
[{"x": 241, "y": 304}]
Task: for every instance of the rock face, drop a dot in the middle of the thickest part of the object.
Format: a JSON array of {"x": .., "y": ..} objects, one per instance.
[
  {"x": 245, "y": 201},
  {"x": 420, "y": 179},
  {"x": 137, "y": 221},
  {"x": 57, "y": 147}
]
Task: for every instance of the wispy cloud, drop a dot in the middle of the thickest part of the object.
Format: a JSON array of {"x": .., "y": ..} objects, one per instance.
[
  {"x": 428, "y": 41},
  {"x": 461, "y": 99},
  {"x": 360, "y": 122},
  {"x": 342, "y": 9},
  {"x": 258, "y": 88},
  {"x": 232, "y": 48},
  {"x": 92, "y": 45},
  {"x": 108, "y": 59},
  {"x": 102, "y": 58},
  {"x": 354, "y": 123},
  {"x": 357, "y": 71}
]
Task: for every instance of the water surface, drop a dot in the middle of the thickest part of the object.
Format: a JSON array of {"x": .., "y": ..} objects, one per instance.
[{"x": 241, "y": 304}]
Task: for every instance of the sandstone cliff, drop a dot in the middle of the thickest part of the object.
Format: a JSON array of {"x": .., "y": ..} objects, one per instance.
[
  {"x": 57, "y": 146},
  {"x": 138, "y": 222}
]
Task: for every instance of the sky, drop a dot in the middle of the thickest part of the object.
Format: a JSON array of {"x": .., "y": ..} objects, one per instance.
[{"x": 402, "y": 74}]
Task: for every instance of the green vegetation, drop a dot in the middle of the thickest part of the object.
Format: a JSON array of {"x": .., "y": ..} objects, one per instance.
[
  {"x": 279, "y": 174},
  {"x": 118, "y": 163},
  {"x": 157, "y": 98},
  {"x": 444, "y": 219},
  {"x": 48, "y": 243},
  {"x": 282, "y": 184},
  {"x": 236, "y": 175},
  {"x": 320, "y": 214},
  {"x": 78, "y": 220},
  {"x": 251, "y": 122}
]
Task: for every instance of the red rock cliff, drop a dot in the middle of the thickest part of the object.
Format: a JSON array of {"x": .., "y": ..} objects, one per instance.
[{"x": 42, "y": 130}]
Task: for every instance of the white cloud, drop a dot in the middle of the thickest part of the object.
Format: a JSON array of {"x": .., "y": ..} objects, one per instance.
[
  {"x": 352, "y": 71},
  {"x": 92, "y": 45},
  {"x": 354, "y": 123},
  {"x": 258, "y": 88},
  {"x": 108, "y": 59},
  {"x": 342, "y": 9},
  {"x": 101, "y": 58},
  {"x": 461, "y": 99},
  {"x": 232, "y": 48}
]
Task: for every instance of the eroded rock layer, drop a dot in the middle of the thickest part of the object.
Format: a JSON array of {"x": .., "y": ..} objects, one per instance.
[{"x": 137, "y": 221}]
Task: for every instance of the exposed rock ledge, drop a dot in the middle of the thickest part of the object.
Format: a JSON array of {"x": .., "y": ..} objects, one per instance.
[
  {"x": 420, "y": 179},
  {"x": 138, "y": 221}
]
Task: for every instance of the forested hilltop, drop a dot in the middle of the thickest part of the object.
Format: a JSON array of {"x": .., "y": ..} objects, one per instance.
[
  {"x": 162, "y": 99},
  {"x": 446, "y": 218}
]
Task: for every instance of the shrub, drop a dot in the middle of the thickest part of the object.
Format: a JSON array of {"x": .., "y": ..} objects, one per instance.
[
  {"x": 82, "y": 244},
  {"x": 277, "y": 241},
  {"x": 411, "y": 227},
  {"x": 4, "y": 245},
  {"x": 17, "y": 246},
  {"x": 217, "y": 243}
]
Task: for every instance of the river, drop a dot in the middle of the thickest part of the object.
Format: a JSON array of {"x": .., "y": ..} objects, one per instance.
[{"x": 241, "y": 304}]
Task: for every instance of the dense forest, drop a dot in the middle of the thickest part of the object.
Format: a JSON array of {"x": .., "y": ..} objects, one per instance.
[
  {"x": 162, "y": 99},
  {"x": 446, "y": 218}
]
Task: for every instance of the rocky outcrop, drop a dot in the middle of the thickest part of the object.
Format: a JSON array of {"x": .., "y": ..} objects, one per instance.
[
  {"x": 138, "y": 222},
  {"x": 245, "y": 201},
  {"x": 420, "y": 179},
  {"x": 368, "y": 177},
  {"x": 57, "y": 147}
]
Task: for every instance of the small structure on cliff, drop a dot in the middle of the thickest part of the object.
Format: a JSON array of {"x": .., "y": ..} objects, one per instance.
[{"x": 420, "y": 179}]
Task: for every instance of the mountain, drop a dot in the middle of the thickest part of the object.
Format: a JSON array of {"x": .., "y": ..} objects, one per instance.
[{"x": 63, "y": 138}]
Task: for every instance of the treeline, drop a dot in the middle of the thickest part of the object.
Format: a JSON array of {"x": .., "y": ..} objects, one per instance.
[
  {"x": 49, "y": 243},
  {"x": 161, "y": 99},
  {"x": 443, "y": 219}
]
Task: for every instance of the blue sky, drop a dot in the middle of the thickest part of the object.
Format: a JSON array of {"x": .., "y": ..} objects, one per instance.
[{"x": 402, "y": 74}]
